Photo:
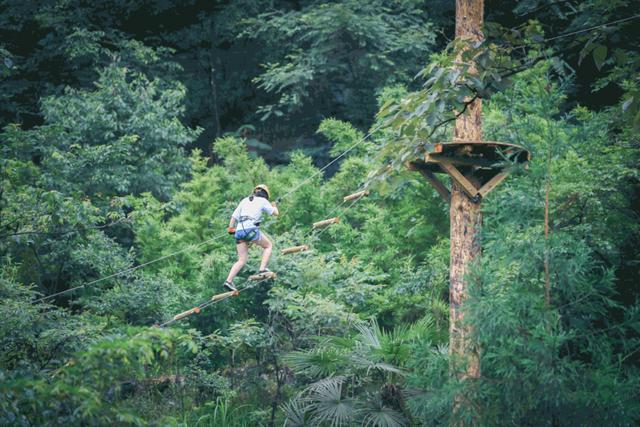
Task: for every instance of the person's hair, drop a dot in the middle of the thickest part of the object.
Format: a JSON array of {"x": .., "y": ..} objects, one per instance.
[{"x": 261, "y": 193}]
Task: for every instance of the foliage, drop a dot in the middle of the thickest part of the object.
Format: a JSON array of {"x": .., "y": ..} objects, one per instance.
[
  {"x": 562, "y": 350},
  {"x": 357, "y": 380},
  {"x": 342, "y": 51},
  {"x": 127, "y": 143}
]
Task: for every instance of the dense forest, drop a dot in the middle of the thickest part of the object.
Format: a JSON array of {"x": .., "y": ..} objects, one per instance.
[{"x": 130, "y": 131}]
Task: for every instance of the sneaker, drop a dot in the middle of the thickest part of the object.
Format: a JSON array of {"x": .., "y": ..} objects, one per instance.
[
  {"x": 266, "y": 270},
  {"x": 229, "y": 286}
]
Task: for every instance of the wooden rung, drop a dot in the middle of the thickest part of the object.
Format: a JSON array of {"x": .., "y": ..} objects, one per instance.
[
  {"x": 263, "y": 276},
  {"x": 326, "y": 222},
  {"x": 220, "y": 297},
  {"x": 186, "y": 313},
  {"x": 294, "y": 249},
  {"x": 355, "y": 196}
]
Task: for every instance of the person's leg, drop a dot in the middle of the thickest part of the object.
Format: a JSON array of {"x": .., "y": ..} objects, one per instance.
[
  {"x": 243, "y": 249},
  {"x": 264, "y": 243}
]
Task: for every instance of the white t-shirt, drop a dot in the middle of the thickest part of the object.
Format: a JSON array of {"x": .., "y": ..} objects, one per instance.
[{"x": 249, "y": 211}]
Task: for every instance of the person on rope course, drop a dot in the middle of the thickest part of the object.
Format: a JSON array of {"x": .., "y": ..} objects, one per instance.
[{"x": 244, "y": 225}]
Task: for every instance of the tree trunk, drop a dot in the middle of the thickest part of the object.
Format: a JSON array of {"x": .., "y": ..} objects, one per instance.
[{"x": 466, "y": 222}]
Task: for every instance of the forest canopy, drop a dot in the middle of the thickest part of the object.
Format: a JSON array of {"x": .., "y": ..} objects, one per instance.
[{"x": 131, "y": 130}]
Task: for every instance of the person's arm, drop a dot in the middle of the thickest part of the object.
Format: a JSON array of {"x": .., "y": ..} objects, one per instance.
[
  {"x": 270, "y": 208},
  {"x": 235, "y": 216}
]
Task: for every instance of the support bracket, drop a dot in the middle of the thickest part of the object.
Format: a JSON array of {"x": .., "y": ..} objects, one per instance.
[
  {"x": 431, "y": 179},
  {"x": 492, "y": 183},
  {"x": 455, "y": 174}
]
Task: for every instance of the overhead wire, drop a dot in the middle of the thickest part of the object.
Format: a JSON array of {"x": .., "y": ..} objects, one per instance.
[
  {"x": 129, "y": 269},
  {"x": 253, "y": 284},
  {"x": 595, "y": 27},
  {"x": 582, "y": 30},
  {"x": 192, "y": 247},
  {"x": 325, "y": 167}
]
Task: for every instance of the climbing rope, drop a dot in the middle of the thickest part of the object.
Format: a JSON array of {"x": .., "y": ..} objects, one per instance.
[
  {"x": 129, "y": 270},
  {"x": 325, "y": 167},
  {"x": 222, "y": 297},
  {"x": 192, "y": 247},
  {"x": 214, "y": 300}
]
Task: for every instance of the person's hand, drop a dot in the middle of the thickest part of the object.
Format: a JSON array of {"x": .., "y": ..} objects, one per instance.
[{"x": 231, "y": 230}]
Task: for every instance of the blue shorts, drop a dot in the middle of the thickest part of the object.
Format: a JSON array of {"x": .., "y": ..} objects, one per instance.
[{"x": 247, "y": 235}]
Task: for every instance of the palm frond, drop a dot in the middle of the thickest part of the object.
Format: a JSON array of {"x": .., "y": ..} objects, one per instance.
[
  {"x": 327, "y": 404},
  {"x": 296, "y": 412},
  {"x": 318, "y": 362},
  {"x": 369, "y": 334},
  {"x": 383, "y": 417},
  {"x": 344, "y": 342},
  {"x": 324, "y": 383},
  {"x": 367, "y": 364}
]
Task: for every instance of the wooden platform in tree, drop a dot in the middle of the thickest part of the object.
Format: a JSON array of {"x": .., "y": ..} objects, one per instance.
[{"x": 477, "y": 166}]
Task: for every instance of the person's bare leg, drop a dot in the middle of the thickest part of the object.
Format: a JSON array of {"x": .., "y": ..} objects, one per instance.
[
  {"x": 264, "y": 243},
  {"x": 243, "y": 250}
]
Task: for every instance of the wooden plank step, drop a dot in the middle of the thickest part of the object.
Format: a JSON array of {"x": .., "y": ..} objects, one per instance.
[
  {"x": 326, "y": 222},
  {"x": 186, "y": 313},
  {"x": 263, "y": 276},
  {"x": 356, "y": 196},
  {"x": 220, "y": 297},
  {"x": 294, "y": 249}
]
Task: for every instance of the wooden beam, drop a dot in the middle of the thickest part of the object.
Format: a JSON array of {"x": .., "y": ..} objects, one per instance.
[
  {"x": 326, "y": 222},
  {"x": 436, "y": 184},
  {"x": 355, "y": 196},
  {"x": 294, "y": 249},
  {"x": 492, "y": 183},
  {"x": 421, "y": 166},
  {"x": 263, "y": 276},
  {"x": 457, "y": 160},
  {"x": 186, "y": 313},
  {"x": 220, "y": 297},
  {"x": 466, "y": 185}
]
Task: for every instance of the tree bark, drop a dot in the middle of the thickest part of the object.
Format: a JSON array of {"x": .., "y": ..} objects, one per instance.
[{"x": 466, "y": 222}]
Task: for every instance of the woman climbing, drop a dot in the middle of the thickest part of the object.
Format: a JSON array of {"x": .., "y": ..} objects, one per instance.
[{"x": 244, "y": 225}]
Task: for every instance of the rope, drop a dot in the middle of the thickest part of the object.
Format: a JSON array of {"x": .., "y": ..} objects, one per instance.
[
  {"x": 325, "y": 167},
  {"x": 210, "y": 302},
  {"x": 583, "y": 30},
  {"x": 127, "y": 270},
  {"x": 572, "y": 33},
  {"x": 188, "y": 248}
]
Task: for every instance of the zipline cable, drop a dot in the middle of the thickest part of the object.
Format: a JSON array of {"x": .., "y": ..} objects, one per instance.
[
  {"x": 325, "y": 167},
  {"x": 129, "y": 269},
  {"x": 584, "y": 30},
  {"x": 253, "y": 284},
  {"x": 191, "y": 247}
]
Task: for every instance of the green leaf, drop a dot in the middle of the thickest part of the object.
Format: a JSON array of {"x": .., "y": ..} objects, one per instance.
[{"x": 599, "y": 55}]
